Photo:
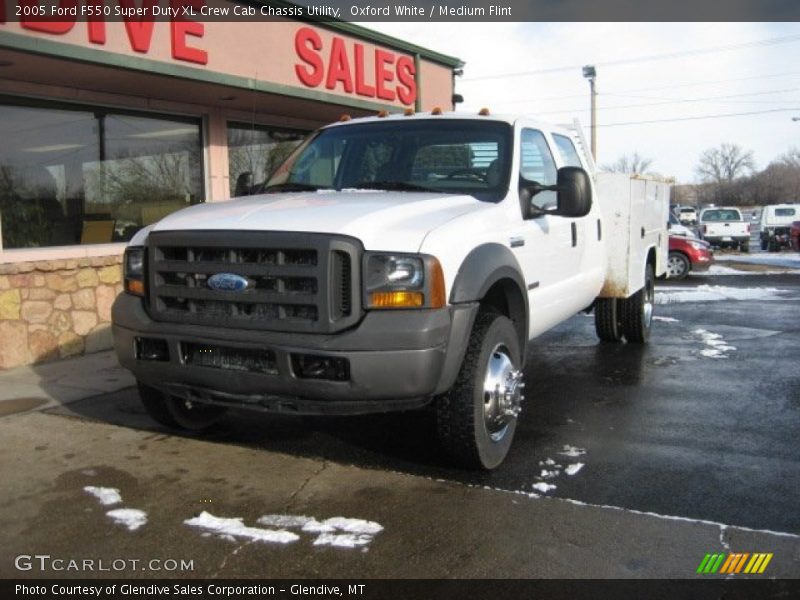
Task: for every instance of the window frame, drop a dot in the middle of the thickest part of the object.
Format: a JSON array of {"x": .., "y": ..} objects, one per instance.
[{"x": 99, "y": 110}]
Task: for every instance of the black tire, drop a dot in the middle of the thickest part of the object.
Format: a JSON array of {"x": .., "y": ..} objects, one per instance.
[
  {"x": 773, "y": 246},
  {"x": 155, "y": 405},
  {"x": 177, "y": 413},
  {"x": 745, "y": 248},
  {"x": 607, "y": 319},
  {"x": 678, "y": 265},
  {"x": 637, "y": 311},
  {"x": 462, "y": 413},
  {"x": 763, "y": 244}
]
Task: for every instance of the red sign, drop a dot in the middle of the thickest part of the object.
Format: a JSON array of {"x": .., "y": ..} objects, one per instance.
[
  {"x": 342, "y": 67},
  {"x": 138, "y": 28}
]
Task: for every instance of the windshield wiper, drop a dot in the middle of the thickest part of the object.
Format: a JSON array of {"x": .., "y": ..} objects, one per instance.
[
  {"x": 291, "y": 187},
  {"x": 394, "y": 186}
]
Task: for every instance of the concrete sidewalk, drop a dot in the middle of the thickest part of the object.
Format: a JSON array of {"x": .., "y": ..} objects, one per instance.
[
  {"x": 61, "y": 382},
  {"x": 48, "y": 456}
]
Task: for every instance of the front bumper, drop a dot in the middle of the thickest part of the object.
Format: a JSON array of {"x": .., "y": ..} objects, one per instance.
[
  {"x": 702, "y": 260},
  {"x": 396, "y": 360}
]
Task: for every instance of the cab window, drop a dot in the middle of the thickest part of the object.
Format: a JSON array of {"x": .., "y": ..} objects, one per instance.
[
  {"x": 536, "y": 164},
  {"x": 566, "y": 150}
]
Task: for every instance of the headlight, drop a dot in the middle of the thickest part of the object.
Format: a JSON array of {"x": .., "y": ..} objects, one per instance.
[
  {"x": 133, "y": 270},
  {"x": 699, "y": 245},
  {"x": 403, "y": 281}
]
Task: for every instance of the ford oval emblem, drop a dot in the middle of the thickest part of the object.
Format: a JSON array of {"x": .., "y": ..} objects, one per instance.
[{"x": 228, "y": 282}]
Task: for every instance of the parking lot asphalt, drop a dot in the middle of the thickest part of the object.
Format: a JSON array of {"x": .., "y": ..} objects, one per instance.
[{"x": 701, "y": 424}]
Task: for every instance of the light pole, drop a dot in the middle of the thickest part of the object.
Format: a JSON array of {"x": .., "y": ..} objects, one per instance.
[{"x": 590, "y": 73}]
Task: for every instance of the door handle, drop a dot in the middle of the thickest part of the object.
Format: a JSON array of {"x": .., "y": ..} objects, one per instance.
[{"x": 574, "y": 234}]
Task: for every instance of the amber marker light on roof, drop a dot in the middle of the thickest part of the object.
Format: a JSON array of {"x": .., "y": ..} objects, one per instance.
[
  {"x": 383, "y": 113},
  {"x": 345, "y": 117},
  {"x": 484, "y": 112},
  {"x": 408, "y": 112},
  {"x": 437, "y": 110}
]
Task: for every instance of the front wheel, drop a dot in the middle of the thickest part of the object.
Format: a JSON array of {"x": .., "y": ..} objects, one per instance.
[
  {"x": 174, "y": 412},
  {"x": 476, "y": 419},
  {"x": 637, "y": 311},
  {"x": 678, "y": 266}
]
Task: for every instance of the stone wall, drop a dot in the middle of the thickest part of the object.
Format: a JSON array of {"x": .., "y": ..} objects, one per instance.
[{"x": 56, "y": 308}]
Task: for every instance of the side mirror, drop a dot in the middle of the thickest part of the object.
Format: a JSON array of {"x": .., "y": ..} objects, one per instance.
[{"x": 574, "y": 192}]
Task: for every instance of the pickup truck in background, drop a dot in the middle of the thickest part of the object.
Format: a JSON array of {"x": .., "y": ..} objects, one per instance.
[
  {"x": 391, "y": 263},
  {"x": 776, "y": 220},
  {"x": 725, "y": 227}
]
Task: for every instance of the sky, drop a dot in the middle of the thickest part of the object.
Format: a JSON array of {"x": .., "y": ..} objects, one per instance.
[{"x": 715, "y": 69}]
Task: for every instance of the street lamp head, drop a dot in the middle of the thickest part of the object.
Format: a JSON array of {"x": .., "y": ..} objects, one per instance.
[
  {"x": 795, "y": 118},
  {"x": 589, "y": 72}
]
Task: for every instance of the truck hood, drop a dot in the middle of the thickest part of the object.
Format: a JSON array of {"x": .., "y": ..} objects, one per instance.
[{"x": 397, "y": 221}]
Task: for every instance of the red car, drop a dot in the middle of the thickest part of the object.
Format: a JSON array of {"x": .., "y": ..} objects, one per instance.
[
  {"x": 794, "y": 236},
  {"x": 687, "y": 254}
]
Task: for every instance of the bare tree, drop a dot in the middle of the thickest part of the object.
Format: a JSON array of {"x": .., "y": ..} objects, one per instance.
[
  {"x": 629, "y": 164},
  {"x": 724, "y": 164}
]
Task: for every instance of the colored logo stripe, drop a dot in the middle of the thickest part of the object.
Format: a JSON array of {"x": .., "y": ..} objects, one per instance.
[{"x": 735, "y": 563}]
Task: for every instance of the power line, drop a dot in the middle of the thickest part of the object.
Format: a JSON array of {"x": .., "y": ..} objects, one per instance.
[
  {"x": 698, "y": 118},
  {"x": 667, "y": 101},
  {"x": 628, "y": 93},
  {"x": 652, "y": 57}
]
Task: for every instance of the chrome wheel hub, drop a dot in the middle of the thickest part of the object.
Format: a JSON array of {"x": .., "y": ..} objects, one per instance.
[{"x": 502, "y": 393}]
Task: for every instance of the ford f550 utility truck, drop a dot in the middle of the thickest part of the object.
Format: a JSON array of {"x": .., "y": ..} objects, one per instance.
[{"x": 391, "y": 263}]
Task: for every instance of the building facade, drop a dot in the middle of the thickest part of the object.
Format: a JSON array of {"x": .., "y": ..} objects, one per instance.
[{"x": 108, "y": 126}]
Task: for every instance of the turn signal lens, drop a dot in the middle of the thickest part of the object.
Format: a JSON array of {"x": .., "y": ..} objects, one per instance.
[
  {"x": 437, "y": 297},
  {"x": 437, "y": 110},
  {"x": 397, "y": 299},
  {"x": 484, "y": 112},
  {"x": 134, "y": 286}
]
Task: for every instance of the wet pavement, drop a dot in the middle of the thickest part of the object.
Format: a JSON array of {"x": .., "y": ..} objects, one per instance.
[
  {"x": 700, "y": 424},
  {"x": 660, "y": 428}
]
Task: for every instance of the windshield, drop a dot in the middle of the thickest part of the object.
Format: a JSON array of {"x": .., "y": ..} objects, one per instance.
[
  {"x": 446, "y": 156},
  {"x": 687, "y": 210},
  {"x": 722, "y": 215}
]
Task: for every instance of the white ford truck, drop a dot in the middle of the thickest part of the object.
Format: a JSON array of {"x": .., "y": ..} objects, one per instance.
[
  {"x": 725, "y": 227},
  {"x": 391, "y": 263}
]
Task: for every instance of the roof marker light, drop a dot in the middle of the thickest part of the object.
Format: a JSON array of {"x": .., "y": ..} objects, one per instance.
[
  {"x": 383, "y": 113},
  {"x": 437, "y": 110},
  {"x": 345, "y": 117},
  {"x": 484, "y": 112},
  {"x": 408, "y": 112}
]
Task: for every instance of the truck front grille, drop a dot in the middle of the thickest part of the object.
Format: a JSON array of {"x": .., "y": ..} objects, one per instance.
[{"x": 292, "y": 281}]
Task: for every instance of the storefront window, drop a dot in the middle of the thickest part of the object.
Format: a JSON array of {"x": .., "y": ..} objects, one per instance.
[
  {"x": 81, "y": 175},
  {"x": 254, "y": 152}
]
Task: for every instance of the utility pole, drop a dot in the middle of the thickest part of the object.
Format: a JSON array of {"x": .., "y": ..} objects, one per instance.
[{"x": 590, "y": 73}]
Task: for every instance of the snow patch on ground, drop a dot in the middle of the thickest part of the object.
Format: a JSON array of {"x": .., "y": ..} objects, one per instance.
[
  {"x": 787, "y": 261},
  {"x": 106, "y": 496},
  {"x": 572, "y": 451},
  {"x": 666, "y": 319},
  {"x": 715, "y": 293},
  {"x": 722, "y": 270},
  {"x": 543, "y": 487},
  {"x": 545, "y": 474},
  {"x": 234, "y": 528},
  {"x": 573, "y": 468},
  {"x": 132, "y": 518},
  {"x": 717, "y": 347},
  {"x": 338, "y": 532}
]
